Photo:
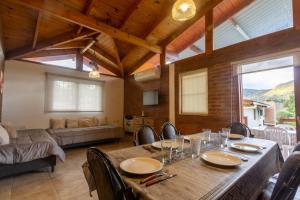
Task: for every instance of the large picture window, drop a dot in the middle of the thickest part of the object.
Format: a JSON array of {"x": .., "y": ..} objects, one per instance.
[
  {"x": 193, "y": 92},
  {"x": 72, "y": 94}
]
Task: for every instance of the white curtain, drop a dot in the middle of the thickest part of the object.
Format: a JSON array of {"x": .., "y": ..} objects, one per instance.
[
  {"x": 194, "y": 95},
  {"x": 72, "y": 94}
]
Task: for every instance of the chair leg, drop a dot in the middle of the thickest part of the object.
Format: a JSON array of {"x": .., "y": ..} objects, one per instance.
[{"x": 52, "y": 168}]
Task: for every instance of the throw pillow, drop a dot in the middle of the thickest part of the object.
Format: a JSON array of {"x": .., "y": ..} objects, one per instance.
[
  {"x": 10, "y": 130},
  {"x": 95, "y": 121},
  {"x": 72, "y": 123},
  {"x": 85, "y": 122},
  {"x": 4, "y": 137},
  {"x": 57, "y": 123}
]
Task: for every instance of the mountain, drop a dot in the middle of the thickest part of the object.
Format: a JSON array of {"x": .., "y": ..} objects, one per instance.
[{"x": 279, "y": 93}]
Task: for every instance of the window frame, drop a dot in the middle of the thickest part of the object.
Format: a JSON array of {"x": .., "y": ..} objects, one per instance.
[
  {"x": 181, "y": 75},
  {"x": 47, "y": 94}
]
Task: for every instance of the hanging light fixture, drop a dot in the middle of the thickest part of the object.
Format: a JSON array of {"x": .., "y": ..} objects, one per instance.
[
  {"x": 183, "y": 10},
  {"x": 93, "y": 65}
]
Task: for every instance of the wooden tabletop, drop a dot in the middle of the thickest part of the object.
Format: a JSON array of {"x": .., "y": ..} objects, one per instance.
[{"x": 198, "y": 180}]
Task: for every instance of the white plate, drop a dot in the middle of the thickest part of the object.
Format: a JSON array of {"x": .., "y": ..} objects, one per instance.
[
  {"x": 221, "y": 158},
  {"x": 246, "y": 147},
  {"x": 168, "y": 143},
  {"x": 141, "y": 165},
  {"x": 233, "y": 136}
]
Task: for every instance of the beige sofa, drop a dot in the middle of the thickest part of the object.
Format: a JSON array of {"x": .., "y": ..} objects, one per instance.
[{"x": 84, "y": 134}]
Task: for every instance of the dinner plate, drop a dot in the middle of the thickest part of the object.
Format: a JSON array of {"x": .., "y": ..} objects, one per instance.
[
  {"x": 221, "y": 158},
  {"x": 234, "y": 136},
  {"x": 141, "y": 165},
  {"x": 168, "y": 143},
  {"x": 246, "y": 147}
]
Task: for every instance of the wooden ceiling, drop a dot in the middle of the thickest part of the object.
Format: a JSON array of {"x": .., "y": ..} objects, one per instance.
[{"x": 123, "y": 34}]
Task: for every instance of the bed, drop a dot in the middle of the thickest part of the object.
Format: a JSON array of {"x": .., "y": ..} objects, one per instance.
[{"x": 32, "y": 149}]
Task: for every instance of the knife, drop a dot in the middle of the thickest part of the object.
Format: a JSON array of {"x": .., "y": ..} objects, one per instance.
[
  {"x": 158, "y": 180},
  {"x": 149, "y": 178}
]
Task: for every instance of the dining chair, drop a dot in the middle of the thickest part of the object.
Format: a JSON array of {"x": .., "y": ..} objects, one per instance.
[
  {"x": 279, "y": 135},
  {"x": 108, "y": 182},
  {"x": 286, "y": 185},
  {"x": 144, "y": 135},
  {"x": 168, "y": 131},
  {"x": 239, "y": 128},
  {"x": 297, "y": 147}
]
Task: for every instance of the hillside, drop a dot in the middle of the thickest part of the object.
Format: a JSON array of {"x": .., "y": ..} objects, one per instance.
[{"x": 278, "y": 93}]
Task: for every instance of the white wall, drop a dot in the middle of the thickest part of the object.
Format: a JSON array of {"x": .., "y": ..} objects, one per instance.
[{"x": 24, "y": 93}]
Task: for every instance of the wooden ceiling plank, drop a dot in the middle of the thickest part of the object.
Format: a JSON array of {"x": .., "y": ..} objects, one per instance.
[
  {"x": 117, "y": 55},
  {"x": 103, "y": 64},
  {"x": 61, "y": 11},
  {"x": 209, "y": 5},
  {"x": 104, "y": 55},
  {"x": 130, "y": 12},
  {"x": 51, "y": 53},
  {"x": 91, "y": 43},
  {"x": 296, "y": 14},
  {"x": 209, "y": 30},
  {"x": 86, "y": 11},
  {"x": 70, "y": 45},
  {"x": 58, "y": 40},
  {"x": 36, "y": 31}
]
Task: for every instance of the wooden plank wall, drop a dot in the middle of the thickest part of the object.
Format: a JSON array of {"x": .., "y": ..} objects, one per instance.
[
  {"x": 133, "y": 96},
  {"x": 224, "y": 108},
  {"x": 1, "y": 63}
]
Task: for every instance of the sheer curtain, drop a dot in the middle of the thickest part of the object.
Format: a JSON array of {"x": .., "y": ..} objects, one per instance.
[
  {"x": 72, "y": 94},
  {"x": 193, "y": 91}
]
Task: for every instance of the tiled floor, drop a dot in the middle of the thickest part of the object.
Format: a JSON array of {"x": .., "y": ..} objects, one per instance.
[{"x": 66, "y": 183}]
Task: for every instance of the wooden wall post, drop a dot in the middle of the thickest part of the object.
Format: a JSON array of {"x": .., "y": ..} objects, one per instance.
[
  {"x": 296, "y": 13},
  {"x": 163, "y": 57},
  {"x": 79, "y": 61},
  {"x": 209, "y": 36}
]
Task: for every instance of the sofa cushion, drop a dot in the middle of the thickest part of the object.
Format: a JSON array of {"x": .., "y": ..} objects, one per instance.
[
  {"x": 57, "y": 123},
  {"x": 85, "y": 122},
  {"x": 72, "y": 123}
]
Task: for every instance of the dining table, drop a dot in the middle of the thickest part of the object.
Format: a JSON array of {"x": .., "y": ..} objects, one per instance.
[{"x": 197, "y": 179}]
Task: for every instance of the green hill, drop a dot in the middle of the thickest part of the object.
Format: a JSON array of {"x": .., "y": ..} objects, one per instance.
[{"x": 279, "y": 93}]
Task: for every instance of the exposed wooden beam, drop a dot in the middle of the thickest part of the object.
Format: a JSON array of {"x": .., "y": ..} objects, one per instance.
[
  {"x": 58, "y": 40},
  {"x": 196, "y": 49},
  {"x": 103, "y": 64},
  {"x": 207, "y": 6},
  {"x": 71, "y": 45},
  {"x": 117, "y": 55},
  {"x": 296, "y": 14},
  {"x": 79, "y": 61},
  {"x": 163, "y": 57},
  {"x": 104, "y": 55},
  {"x": 64, "y": 12},
  {"x": 278, "y": 42},
  {"x": 51, "y": 53},
  {"x": 209, "y": 30},
  {"x": 239, "y": 29},
  {"x": 86, "y": 11},
  {"x": 37, "y": 28},
  {"x": 91, "y": 43}
]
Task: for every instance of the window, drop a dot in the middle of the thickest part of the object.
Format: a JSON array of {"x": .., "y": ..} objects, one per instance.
[
  {"x": 72, "y": 94},
  {"x": 65, "y": 61},
  {"x": 193, "y": 92}
]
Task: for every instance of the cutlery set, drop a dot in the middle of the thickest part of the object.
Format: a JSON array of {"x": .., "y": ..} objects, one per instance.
[{"x": 156, "y": 178}]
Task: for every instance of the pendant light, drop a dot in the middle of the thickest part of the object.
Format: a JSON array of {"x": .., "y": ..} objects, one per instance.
[
  {"x": 183, "y": 10},
  {"x": 93, "y": 65}
]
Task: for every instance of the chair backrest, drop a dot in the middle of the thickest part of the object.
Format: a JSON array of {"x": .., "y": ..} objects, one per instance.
[
  {"x": 109, "y": 183},
  {"x": 145, "y": 135},
  {"x": 288, "y": 179},
  {"x": 168, "y": 131},
  {"x": 278, "y": 135},
  {"x": 238, "y": 128}
]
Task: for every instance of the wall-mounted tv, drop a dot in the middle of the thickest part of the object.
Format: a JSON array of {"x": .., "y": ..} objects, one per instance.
[{"x": 150, "y": 97}]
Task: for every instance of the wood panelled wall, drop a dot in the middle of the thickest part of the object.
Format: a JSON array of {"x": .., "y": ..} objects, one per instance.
[{"x": 133, "y": 97}]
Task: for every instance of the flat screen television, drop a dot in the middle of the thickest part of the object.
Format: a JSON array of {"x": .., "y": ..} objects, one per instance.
[{"x": 150, "y": 97}]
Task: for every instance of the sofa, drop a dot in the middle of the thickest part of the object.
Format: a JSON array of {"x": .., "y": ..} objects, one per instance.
[{"x": 83, "y": 132}]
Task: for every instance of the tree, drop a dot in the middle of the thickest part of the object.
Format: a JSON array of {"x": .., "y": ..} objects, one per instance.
[{"x": 290, "y": 105}]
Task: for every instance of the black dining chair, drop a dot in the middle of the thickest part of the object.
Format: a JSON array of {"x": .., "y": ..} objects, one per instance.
[
  {"x": 144, "y": 135},
  {"x": 168, "y": 131},
  {"x": 239, "y": 128},
  {"x": 108, "y": 181},
  {"x": 286, "y": 185},
  {"x": 297, "y": 147}
]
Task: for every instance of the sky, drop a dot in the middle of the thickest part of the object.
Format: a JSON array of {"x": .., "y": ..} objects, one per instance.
[{"x": 267, "y": 79}]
